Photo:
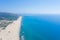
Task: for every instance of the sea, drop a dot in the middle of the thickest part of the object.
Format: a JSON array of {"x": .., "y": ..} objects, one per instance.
[{"x": 40, "y": 27}]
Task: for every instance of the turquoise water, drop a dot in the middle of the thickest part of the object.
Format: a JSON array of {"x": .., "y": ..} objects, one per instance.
[{"x": 40, "y": 28}]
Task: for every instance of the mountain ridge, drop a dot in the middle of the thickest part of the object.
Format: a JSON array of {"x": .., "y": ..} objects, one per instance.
[{"x": 8, "y": 16}]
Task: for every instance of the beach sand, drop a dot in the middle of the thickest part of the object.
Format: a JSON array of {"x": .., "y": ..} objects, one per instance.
[{"x": 12, "y": 31}]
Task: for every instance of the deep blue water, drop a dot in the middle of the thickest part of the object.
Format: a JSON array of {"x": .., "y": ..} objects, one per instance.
[{"x": 40, "y": 27}]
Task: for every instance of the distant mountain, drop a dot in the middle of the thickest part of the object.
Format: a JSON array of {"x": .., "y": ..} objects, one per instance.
[{"x": 8, "y": 16}]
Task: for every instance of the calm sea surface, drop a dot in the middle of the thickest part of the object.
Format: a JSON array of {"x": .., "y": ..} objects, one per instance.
[{"x": 40, "y": 27}]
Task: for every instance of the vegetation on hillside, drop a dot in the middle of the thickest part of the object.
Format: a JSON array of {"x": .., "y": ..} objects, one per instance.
[{"x": 6, "y": 19}]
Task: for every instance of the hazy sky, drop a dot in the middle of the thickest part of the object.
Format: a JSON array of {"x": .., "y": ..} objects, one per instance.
[{"x": 30, "y": 6}]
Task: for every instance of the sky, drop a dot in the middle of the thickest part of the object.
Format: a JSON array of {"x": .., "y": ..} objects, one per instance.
[{"x": 30, "y": 6}]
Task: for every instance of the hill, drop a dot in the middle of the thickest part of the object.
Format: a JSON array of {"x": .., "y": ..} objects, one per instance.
[{"x": 8, "y": 16}]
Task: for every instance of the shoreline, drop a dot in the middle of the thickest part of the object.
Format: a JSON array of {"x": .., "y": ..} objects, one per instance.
[{"x": 12, "y": 30}]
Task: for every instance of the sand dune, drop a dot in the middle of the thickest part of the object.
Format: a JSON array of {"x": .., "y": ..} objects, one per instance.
[{"x": 12, "y": 31}]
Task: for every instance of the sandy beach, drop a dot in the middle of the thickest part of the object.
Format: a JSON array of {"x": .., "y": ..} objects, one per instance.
[{"x": 12, "y": 31}]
